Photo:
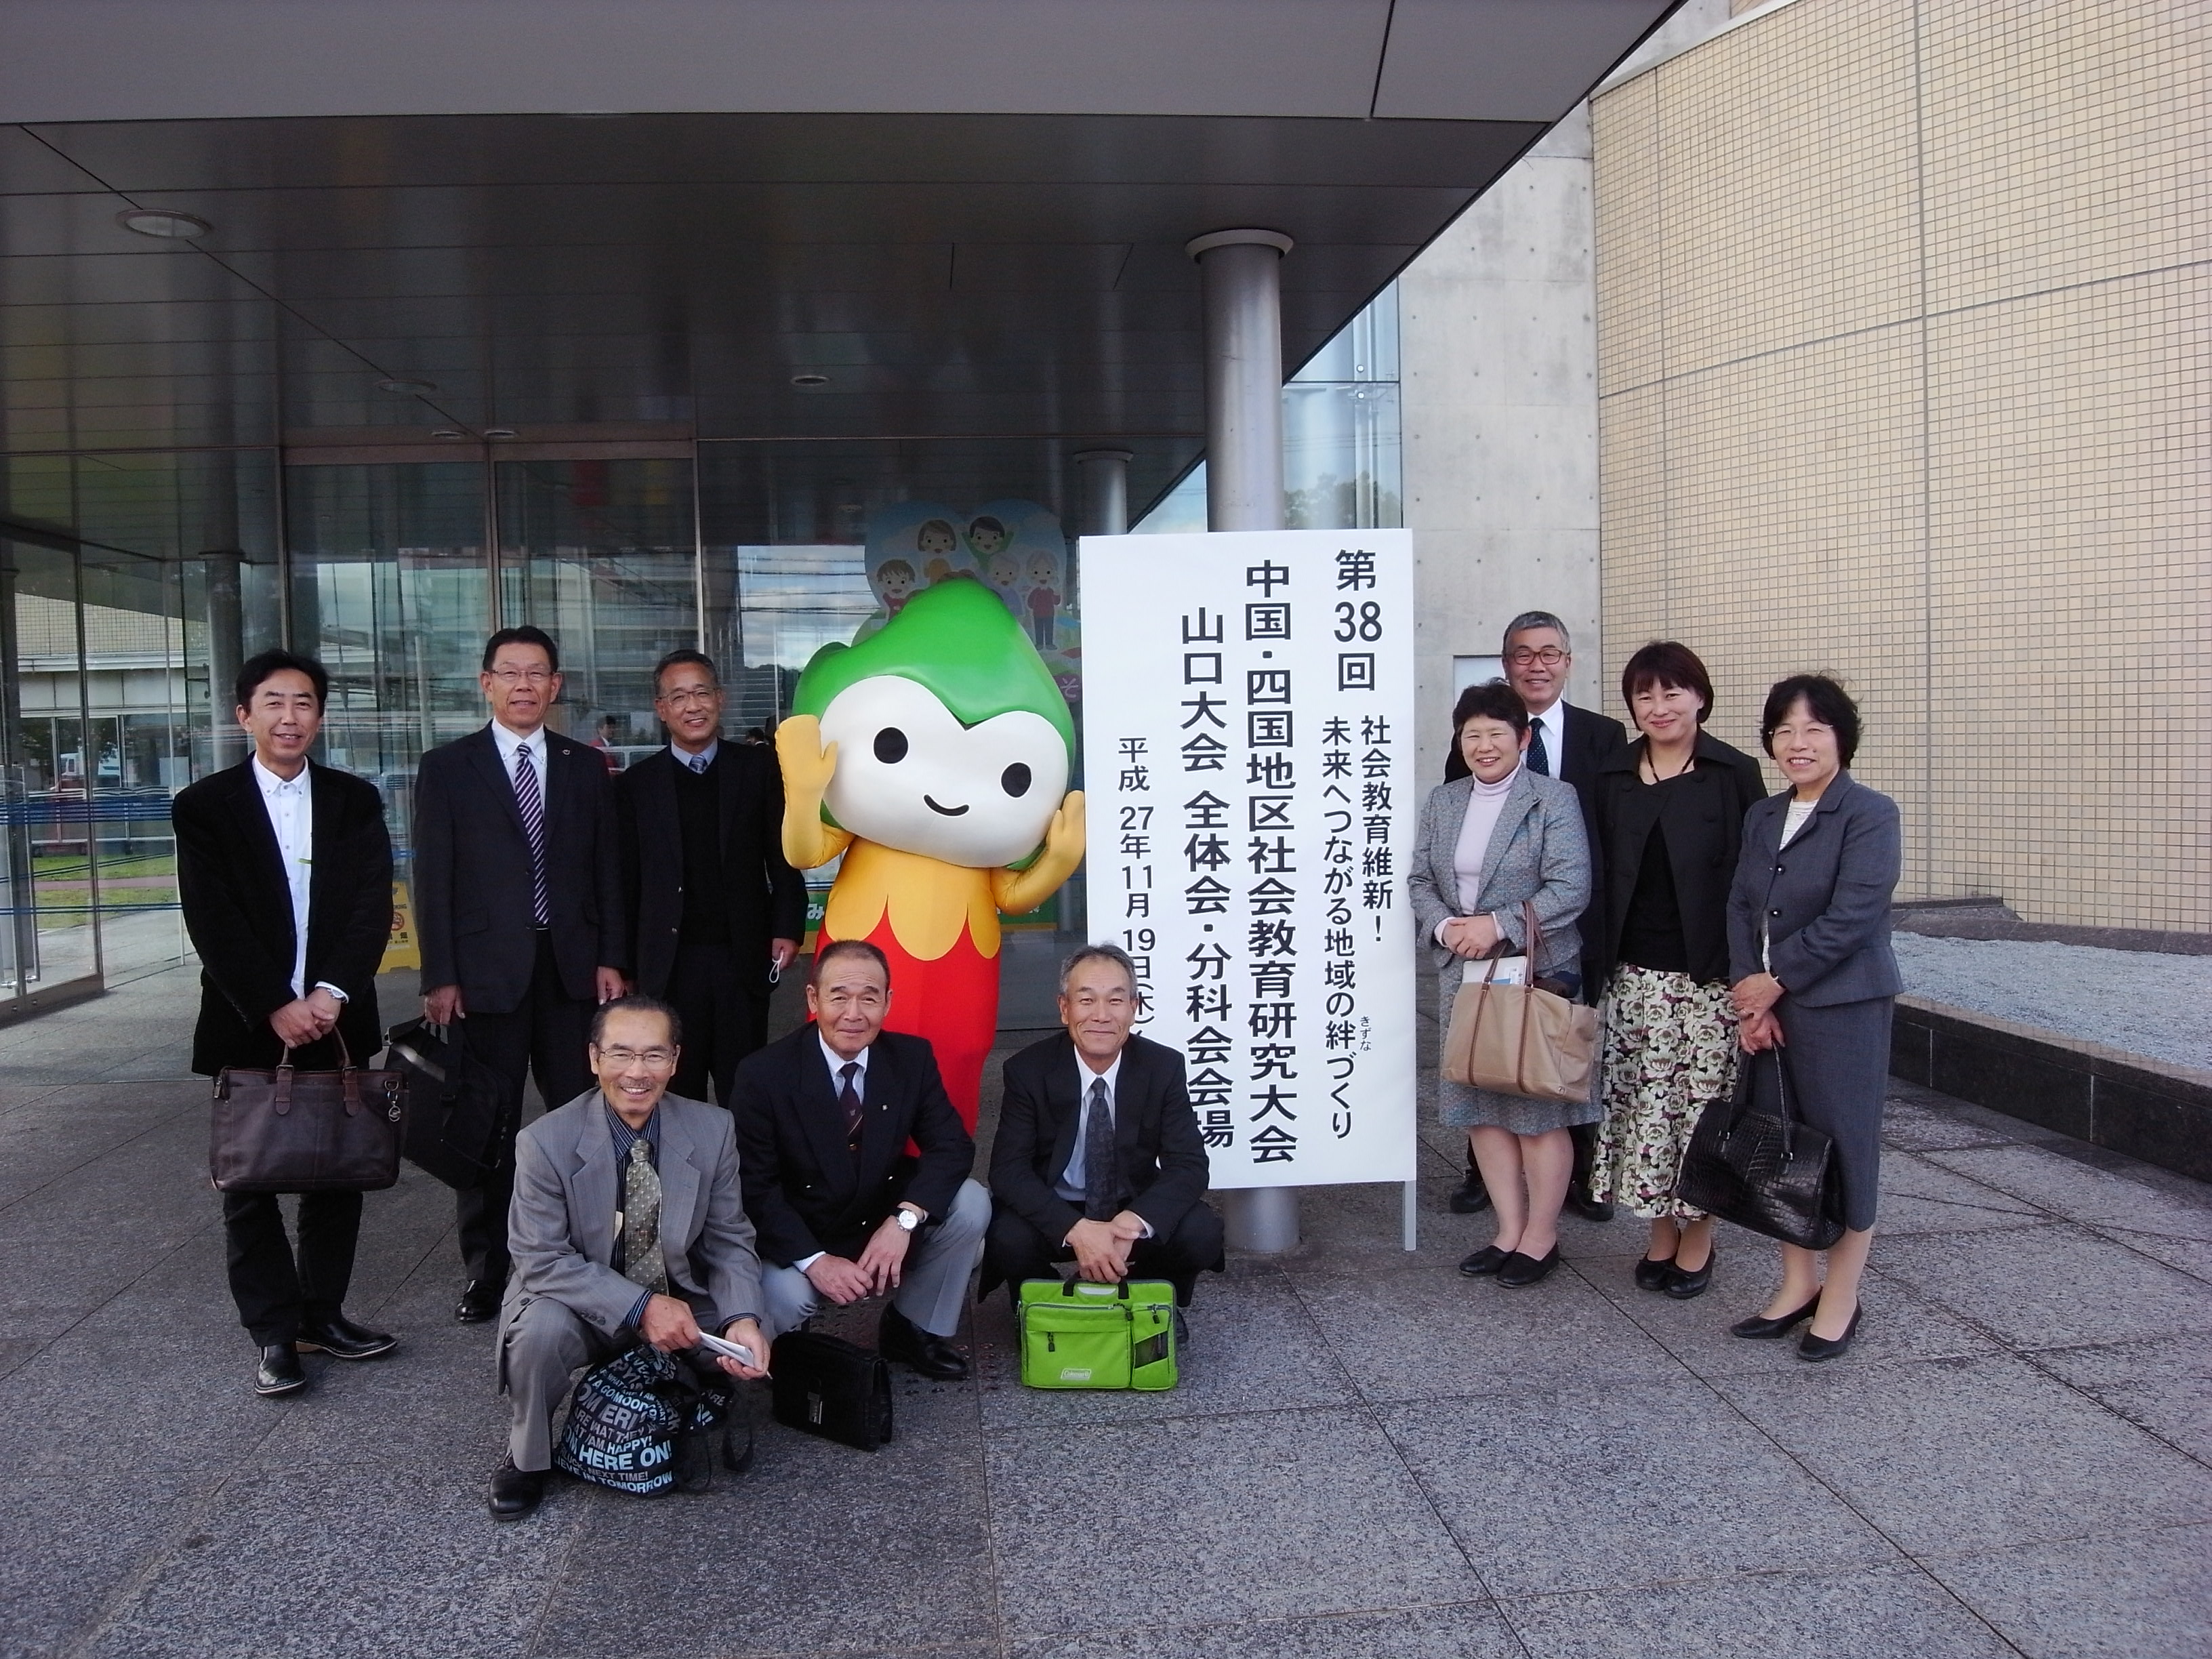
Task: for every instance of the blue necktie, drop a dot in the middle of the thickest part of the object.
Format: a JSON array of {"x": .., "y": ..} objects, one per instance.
[
  {"x": 1539, "y": 762},
  {"x": 533, "y": 804},
  {"x": 1102, "y": 1181}
]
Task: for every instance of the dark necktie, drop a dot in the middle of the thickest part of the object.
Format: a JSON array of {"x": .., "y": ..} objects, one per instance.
[
  {"x": 1539, "y": 762},
  {"x": 531, "y": 801},
  {"x": 643, "y": 1263},
  {"x": 849, "y": 1098},
  {"x": 1102, "y": 1181}
]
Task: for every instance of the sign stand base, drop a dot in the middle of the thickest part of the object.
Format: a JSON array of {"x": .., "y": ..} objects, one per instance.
[{"x": 1261, "y": 1218}]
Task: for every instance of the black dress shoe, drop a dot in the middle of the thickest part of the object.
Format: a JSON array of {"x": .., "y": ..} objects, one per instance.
[
  {"x": 1588, "y": 1206},
  {"x": 1653, "y": 1275},
  {"x": 899, "y": 1339},
  {"x": 279, "y": 1371},
  {"x": 480, "y": 1300},
  {"x": 1758, "y": 1328},
  {"x": 1817, "y": 1348},
  {"x": 737, "y": 1446},
  {"x": 515, "y": 1492},
  {"x": 1485, "y": 1261},
  {"x": 342, "y": 1339},
  {"x": 1685, "y": 1284},
  {"x": 1517, "y": 1270},
  {"x": 1470, "y": 1197}
]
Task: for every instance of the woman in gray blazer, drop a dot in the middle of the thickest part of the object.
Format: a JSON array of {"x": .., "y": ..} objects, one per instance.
[
  {"x": 1814, "y": 977},
  {"x": 1489, "y": 841}
]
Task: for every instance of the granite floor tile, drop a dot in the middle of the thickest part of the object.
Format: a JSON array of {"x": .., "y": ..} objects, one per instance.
[
  {"x": 2192, "y": 1256},
  {"x": 1911, "y": 1447},
  {"x": 1920, "y": 1196},
  {"x": 1624, "y": 1483},
  {"x": 1871, "y": 1614},
  {"x": 1284, "y": 1514},
  {"x": 1253, "y": 1347},
  {"x": 1419, "y": 1333},
  {"x": 2136, "y": 1595},
  {"x": 66, "y": 1546},
  {"x": 2043, "y": 1287},
  {"x": 336, "y": 1563},
  {"x": 2137, "y": 1196},
  {"x": 1475, "y": 1631},
  {"x": 2164, "y": 1385},
  {"x": 1920, "y": 1120}
]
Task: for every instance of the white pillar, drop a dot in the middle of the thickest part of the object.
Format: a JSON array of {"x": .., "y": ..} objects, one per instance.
[
  {"x": 1241, "y": 270},
  {"x": 1104, "y": 475}
]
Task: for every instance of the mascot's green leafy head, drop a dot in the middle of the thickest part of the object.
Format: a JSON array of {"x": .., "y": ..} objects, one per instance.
[{"x": 957, "y": 639}]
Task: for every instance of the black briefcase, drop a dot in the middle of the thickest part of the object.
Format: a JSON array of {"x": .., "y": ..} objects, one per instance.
[
  {"x": 453, "y": 1102},
  {"x": 825, "y": 1385},
  {"x": 1771, "y": 1172}
]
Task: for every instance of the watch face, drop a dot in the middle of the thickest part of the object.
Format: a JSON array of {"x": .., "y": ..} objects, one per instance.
[{"x": 908, "y": 1220}]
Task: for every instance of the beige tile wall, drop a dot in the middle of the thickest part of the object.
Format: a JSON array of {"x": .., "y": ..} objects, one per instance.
[{"x": 1905, "y": 345}]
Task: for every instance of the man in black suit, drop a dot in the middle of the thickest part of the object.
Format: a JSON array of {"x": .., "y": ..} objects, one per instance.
[
  {"x": 284, "y": 872},
  {"x": 1099, "y": 1160},
  {"x": 1568, "y": 744},
  {"x": 718, "y": 912},
  {"x": 519, "y": 906},
  {"x": 843, "y": 1209}
]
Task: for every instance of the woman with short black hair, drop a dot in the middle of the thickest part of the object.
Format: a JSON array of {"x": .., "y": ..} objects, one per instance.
[
  {"x": 1489, "y": 841},
  {"x": 1814, "y": 976},
  {"x": 1669, "y": 811}
]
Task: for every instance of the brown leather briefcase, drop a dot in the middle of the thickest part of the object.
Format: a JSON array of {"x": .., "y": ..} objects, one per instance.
[{"x": 289, "y": 1131}]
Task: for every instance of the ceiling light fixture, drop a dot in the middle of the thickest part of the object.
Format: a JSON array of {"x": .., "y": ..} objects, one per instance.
[
  {"x": 448, "y": 432},
  {"x": 499, "y": 432},
  {"x": 810, "y": 380},
  {"x": 161, "y": 223},
  {"x": 412, "y": 388}
]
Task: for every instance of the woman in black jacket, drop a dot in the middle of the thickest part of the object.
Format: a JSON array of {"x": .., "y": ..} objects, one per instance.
[{"x": 1669, "y": 811}]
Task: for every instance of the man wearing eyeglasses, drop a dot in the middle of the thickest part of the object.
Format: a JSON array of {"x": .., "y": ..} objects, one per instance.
[
  {"x": 629, "y": 1226},
  {"x": 1099, "y": 1158},
  {"x": 1568, "y": 744},
  {"x": 718, "y": 911},
  {"x": 518, "y": 904}
]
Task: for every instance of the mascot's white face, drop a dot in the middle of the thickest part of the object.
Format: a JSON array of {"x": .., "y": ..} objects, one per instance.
[{"x": 909, "y": 775}]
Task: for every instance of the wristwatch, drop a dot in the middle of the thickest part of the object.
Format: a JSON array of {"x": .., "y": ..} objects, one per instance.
[{"x": 909, "y": 1218}]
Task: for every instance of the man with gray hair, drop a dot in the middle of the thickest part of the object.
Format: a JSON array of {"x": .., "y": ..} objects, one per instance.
[
  {"x": 1568, "y": 744},
  {"x": 1099, "y": 1160}
]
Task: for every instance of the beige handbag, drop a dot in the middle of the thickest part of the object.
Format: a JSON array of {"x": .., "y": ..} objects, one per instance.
[{"x": 1519, "y": 1040}]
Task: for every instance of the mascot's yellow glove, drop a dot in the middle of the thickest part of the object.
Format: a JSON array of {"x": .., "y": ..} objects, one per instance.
[{"x": 807, "y": 768}]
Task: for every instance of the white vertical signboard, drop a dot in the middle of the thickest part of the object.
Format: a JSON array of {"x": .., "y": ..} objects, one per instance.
[{"x": 1247, "y": 707}]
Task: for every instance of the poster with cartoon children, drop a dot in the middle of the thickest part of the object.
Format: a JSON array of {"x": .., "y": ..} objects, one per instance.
[
  {"x": 911, "y": 545},
  {"x": 1015, "y": 548}
]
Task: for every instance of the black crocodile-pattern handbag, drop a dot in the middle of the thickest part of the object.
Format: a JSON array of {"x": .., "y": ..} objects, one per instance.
[{"x": 1768, "y": 1171}]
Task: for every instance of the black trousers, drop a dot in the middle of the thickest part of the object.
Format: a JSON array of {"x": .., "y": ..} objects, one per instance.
[
  {"x": 546, "y": 1036},
  {"x": 725, "y": 1018},
  {"x": 276, "y": 1290},
  {"x": 1015, "y": 1250}
]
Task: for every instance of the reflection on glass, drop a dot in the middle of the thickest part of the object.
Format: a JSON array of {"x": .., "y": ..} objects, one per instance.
[{"x": 797, "y": 599}]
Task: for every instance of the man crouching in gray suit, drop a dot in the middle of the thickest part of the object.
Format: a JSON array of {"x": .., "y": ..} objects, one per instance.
[{"x": 628, "y": 1226}]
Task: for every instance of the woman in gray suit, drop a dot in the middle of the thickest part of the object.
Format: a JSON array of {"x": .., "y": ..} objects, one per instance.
[
  {"x": 1812, "y": 974},
  {"x": 1489, "y": 841}
]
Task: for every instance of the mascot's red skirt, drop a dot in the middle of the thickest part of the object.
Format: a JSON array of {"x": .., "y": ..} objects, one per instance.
[{"x": 953, "y": 1001}]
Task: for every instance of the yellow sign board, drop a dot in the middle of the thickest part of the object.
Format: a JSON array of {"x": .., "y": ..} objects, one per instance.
[{"x": 403, "y": 949}]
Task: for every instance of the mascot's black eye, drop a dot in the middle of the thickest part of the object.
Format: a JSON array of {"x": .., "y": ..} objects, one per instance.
[
  {"x": 890, "y": 746},
  {"x": 1015, "y": 779}
]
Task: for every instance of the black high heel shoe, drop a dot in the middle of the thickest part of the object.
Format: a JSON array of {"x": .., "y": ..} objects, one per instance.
[
  {"x": 1653, "y": 1275},
  {"x": 1759, "y": 1327},
  {"x": 1817, "y": 1348},
  {"x": 1685, "y": 1283},
  {"x": 1520, "y": 1270}
]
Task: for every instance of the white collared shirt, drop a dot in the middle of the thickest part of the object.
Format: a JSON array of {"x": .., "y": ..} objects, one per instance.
[
  {"x": 698, "y": 762},
  {"x": 1073, "y": 1178},
  {"x": 1554, "y": 733},
  {"x": 290, "y": 804},
  {"x": 511, "y": 744}
]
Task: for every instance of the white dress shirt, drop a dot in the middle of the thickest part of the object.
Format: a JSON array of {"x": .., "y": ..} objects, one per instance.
[
  {"x": 290, "y": 802},
  {"x": 1550, "y": 725},
  {"x": 700, "y": 761},
  {"x": 837, "y": 1064},
  {"x": 513, "y": 743},
  {"x": 1073, "y": 1179}
]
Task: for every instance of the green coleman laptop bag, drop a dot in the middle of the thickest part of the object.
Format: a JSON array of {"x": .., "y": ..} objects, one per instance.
[{"x": 1082, "y": 1335}]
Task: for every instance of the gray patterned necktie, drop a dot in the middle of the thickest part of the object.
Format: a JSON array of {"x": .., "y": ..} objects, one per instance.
[
  {"x": 642, "y": 1264},
  {"x": 1102, "y": 1180}
]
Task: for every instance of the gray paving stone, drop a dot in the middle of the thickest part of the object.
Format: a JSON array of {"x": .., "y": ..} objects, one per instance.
[
  {"x": 1475, "y": 1631},
  {"x": 1911, "y": 1448},
  {"x": 1420, "y": 1334},
  {"x": 2141, "y": 1595},
  {"x": 324, "y": 1562},
  {"x": 1253, "y": 1347},
  {"x": 1920, "y": 1120},
  {"x": 2164, "y": 1385},
  {"x": 2139, "y": 1197},
  {"x": 2043, "y": 1287},
  {"x": 2192, "y": 1256},
  {"x": 114, "y": 1400},
  {"x": 1919, "y": 1196},
  {"x": 1883, "y": 1611},
  {"x": 66, "y": 1545},
  {"x": 16, "y": 1352},
  {"x": 1624, "y": 1483},
  {"x": 1265, "y": 1516}
]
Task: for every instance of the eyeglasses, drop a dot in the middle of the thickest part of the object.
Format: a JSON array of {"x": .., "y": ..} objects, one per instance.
[
  {"x": 523, "y": 675},
  {"x": 657, "y": 1060},
  {"x": 1551, "y": 656},
  {"x": 686, "y": 699}
]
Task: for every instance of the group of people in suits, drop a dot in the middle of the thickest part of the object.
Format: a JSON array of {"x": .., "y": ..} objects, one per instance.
[
  {"x": 616, "y": 939},
  {"x": 1709, "y": 922}
]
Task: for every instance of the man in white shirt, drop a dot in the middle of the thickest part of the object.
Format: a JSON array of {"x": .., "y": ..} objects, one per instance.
[{"x": 284, "y": 876}]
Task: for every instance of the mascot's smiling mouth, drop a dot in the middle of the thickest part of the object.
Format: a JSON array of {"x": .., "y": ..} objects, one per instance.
[{"x": 949, "y": 811}]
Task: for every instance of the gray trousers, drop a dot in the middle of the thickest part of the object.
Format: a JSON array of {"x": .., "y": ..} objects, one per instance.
[
  {"x": 541, "y": 1350},
  {"x": 932, "y": 1289}
]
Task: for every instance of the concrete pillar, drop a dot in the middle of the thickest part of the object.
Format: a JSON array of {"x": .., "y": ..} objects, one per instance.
[
  {"x": 226, "y": 655},
  {"x": 1241, "y": 270},
  {"x": 1105, "y": 493}
]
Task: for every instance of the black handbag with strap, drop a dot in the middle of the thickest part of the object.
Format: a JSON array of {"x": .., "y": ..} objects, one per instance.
[
  {"x": 453, "y": 1102},
  {"x": 825, "y": 1385},
  {"x": 289, "y": 1131},
  {"x": 1768, "y": 1171}
]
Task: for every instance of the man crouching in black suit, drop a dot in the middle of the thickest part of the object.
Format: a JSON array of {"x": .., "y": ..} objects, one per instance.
[
  {"x": 1098, "y": 1158},
  {"x": 823, "y": 1118}
]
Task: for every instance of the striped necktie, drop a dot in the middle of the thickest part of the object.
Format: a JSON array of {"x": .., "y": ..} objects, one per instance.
[{"x": 531, "y": 801}]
